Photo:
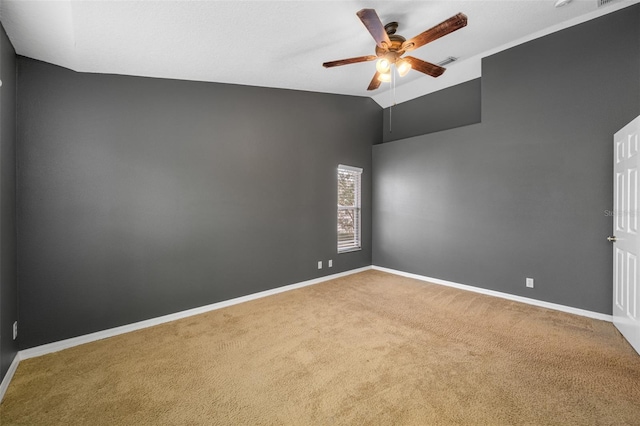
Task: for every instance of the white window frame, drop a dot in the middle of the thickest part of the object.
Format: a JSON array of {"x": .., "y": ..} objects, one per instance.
[{"x": 355, "y": 243}]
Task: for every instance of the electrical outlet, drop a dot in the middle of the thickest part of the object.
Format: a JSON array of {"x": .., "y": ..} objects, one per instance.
[
  {"x": 529, "y": 282},
  {"x": 319, "y": 264},
  {"x": 15, "y": 330},
  {"x": 330, "y": 263}
]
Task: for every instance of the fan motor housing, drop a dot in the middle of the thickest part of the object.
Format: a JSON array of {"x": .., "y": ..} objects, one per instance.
[{"x": 395, "y": 50}]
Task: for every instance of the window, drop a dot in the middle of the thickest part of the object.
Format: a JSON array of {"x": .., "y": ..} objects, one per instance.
[{"x": 349, "y": 183}]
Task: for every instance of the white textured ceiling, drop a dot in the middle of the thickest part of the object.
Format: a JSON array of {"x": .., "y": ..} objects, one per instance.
[{"x": 278, "y": 44}]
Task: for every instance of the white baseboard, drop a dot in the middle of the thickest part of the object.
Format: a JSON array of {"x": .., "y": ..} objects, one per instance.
[
  {"x": 549, "y": 305},
  {"x": 69, "y": 343},
  {"x": 4, "y": 385},
  {"x": 99, "y": 335}
]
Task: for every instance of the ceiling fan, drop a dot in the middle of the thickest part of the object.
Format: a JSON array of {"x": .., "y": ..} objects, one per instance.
[{"x": 390, "y": 47}]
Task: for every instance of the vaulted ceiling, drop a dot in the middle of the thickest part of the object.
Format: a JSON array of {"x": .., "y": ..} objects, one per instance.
[{"x": 279, "y": 44}]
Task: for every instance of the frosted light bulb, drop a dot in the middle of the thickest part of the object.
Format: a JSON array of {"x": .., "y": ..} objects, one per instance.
[
  {"x": 403, "y": 67},
  {"x": 386, "y": 77},
  {"x": 383, "y": 66}
]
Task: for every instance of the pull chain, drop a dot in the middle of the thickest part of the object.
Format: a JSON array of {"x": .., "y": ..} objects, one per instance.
[
  {"x": 390, "y": 108},
  {"x": 393, "y": 88}
]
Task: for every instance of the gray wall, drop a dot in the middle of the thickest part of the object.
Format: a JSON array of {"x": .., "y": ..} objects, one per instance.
[
  {"x": 140, "y": 197},
  {"x": 524, "y": 193},
  {"x": 8, "y": 280},
  {"x": 455, "y": 106}
]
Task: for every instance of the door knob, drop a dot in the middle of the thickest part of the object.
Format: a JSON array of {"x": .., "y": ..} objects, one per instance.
[{"x": 611, "y": 239}]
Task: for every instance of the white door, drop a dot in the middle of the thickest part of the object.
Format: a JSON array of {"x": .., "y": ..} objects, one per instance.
[{"x": 626, "y": 248}]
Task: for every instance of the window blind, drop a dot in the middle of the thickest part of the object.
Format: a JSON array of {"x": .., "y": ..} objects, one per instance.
[{"x": 349, "y": 208}]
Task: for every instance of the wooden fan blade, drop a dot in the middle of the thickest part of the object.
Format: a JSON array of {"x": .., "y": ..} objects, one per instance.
[
  {"x": 375, "y": 83},
  {"x": 442, "y": 29},
  {"x": 349, "y": 61},
  {"x": 370, "y": 19},
  {"x": 426, "y": 67}
]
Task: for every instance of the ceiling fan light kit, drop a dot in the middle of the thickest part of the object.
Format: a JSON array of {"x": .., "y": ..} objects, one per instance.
[{"x": 390, "y": 47}]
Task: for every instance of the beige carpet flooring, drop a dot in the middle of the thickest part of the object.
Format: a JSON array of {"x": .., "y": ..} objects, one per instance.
[{"x": 368, "y": 349}]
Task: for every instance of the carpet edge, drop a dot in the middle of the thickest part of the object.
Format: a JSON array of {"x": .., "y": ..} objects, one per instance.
[{"x": 4, "y": 385}]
